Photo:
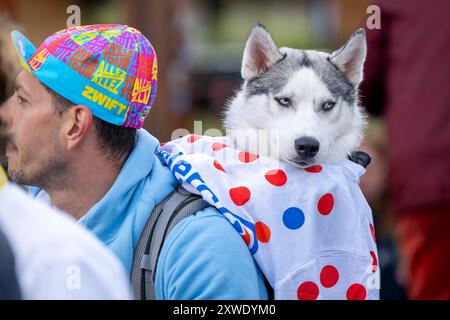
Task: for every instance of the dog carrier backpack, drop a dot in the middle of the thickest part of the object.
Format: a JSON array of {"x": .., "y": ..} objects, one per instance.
[{"x": 164, "y": 217}]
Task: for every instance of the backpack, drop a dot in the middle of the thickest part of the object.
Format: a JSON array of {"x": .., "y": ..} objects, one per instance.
[{"x": 163, "y": 218}]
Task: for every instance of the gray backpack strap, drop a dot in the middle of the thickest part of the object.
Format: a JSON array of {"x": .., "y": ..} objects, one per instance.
[{"x": 164, "y": 217}]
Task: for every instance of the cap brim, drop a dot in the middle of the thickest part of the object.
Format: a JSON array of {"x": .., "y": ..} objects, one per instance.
[{"x": 25, "y": 49}]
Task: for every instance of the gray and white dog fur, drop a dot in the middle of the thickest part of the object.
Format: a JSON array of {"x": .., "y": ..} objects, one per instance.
[{"x": 299, "y": 95}]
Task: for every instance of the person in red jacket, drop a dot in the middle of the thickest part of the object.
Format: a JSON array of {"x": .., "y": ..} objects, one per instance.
[{"x": 407, "y": 78}]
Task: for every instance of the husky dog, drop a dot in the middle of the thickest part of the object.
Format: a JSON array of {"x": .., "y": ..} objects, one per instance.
[
  {"x": 308, "y": 98},
  {"x": 305, "y": 102}
]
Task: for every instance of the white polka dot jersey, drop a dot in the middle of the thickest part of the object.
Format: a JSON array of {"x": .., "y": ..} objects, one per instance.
[{"x": 310, "y": 230}]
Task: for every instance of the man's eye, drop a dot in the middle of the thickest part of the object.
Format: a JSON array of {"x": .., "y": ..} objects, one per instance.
[
  {"x": 21, "y": 99},
  {"x": 284, "y": 101},
  {"x": 327, "y": 106}
]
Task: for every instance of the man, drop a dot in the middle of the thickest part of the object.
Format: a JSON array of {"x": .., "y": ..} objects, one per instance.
[
  {"x": 52, "y": 257},
  {"x": 75, "y": 123},
  {"x": 407, "y": 76}
]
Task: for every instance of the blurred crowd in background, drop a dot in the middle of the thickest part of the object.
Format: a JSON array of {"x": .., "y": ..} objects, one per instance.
[{"x": 200, "y": 45}]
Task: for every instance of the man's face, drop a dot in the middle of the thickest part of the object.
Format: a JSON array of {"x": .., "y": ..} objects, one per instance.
[{"x": 34, "y": 145}]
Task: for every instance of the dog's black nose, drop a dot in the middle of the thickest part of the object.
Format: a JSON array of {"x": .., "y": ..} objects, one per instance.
[{"x": 307, "y": 147}]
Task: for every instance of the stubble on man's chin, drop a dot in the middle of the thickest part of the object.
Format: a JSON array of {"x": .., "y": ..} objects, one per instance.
[
  {"x": 17, "y": 176},
  {"x": 51, "y": 176}
]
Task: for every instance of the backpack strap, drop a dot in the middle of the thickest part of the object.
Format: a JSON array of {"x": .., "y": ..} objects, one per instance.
[{"x": 163, "y": 218}]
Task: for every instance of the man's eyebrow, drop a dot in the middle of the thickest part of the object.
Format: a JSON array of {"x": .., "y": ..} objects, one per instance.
[{"x": 18, "y": 87}]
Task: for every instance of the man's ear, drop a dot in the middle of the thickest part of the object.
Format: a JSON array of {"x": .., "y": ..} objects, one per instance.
[
  {"x": 351, "y": 56},
  {"x": 260, "y": 53},
  {"x": 79, "y": 120}
]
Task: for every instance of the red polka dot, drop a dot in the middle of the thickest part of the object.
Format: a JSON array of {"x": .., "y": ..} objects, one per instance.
[
  {"x": 262, "y": 231},
  {"x": 372, "y": 231},
  {"x": 308, "y": 291},
  {"x": 246, "y": 237},
  {"x": 162, "y": 144},
  {"x": 314, "y": 169},
  {"x": 374, "y": 261},
  {"x": 192, "y": 138},
  {"x": 240, "y": 195},
  {"x": 356, "y": 292},
  {"x": 216, "y": 146},
  {"x": 218, "y": 166},
  {"x": 276, "y": 177},
  {"x": 325, "y": 204},
  {"x": 329, "y": 276},
  {"x": 247, "y": 157}
]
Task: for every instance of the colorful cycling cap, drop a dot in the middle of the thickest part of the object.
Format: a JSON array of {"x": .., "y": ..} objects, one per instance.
[{"x": 109, "y": 68}]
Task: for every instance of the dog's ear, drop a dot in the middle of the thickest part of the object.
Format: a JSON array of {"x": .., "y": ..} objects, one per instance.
[
  {"x": 260, "y": 53},
  {"x": 350, "y": 57}
]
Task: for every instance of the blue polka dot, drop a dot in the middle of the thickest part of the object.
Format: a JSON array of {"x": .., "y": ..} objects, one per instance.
[{"x": 293, "y": 218}]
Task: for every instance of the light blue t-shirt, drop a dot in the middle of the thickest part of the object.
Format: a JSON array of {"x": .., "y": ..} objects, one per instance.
[{"x": 202, "y": 258}]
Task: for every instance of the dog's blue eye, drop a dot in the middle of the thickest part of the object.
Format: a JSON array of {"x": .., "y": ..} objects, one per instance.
[
  {"x": 283, "y": 101},
  {"x": 327, "y": 106}
]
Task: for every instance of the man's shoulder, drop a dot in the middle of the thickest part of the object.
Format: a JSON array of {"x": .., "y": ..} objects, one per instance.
[
  {"x": 203, "y": 247},
  {"x": 206, "y": 223},
  {"x": 207, "y": 228}
]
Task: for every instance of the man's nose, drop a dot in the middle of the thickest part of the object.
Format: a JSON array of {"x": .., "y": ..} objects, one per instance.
[{"x": 307, "y": 147}]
